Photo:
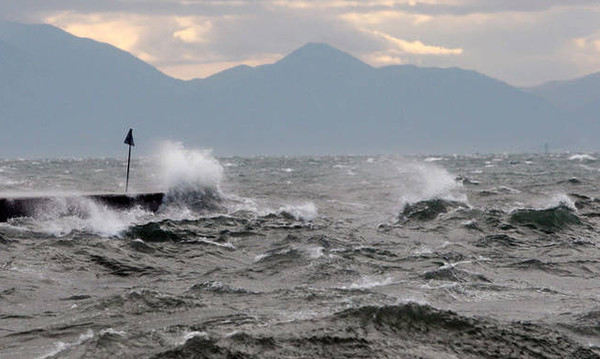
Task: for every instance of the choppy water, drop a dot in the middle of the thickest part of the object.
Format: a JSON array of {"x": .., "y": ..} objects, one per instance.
[{"x": 311, "y": 257}]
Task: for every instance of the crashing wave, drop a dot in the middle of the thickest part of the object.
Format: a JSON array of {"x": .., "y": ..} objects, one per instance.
[
  {"x": 301, "y": 212},
  {"x": 193, "y": 179}
]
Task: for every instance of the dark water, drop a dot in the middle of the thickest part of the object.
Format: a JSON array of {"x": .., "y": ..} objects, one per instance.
[{"x": 326, "y": 257}]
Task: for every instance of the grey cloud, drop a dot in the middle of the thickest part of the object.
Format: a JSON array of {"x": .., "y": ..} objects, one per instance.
[
  {"x": 30, "y": 9},
  {"x": 490, "y": 6},
  {"x": 33, "y": 10},
  {"x": 266, "y": 30}
]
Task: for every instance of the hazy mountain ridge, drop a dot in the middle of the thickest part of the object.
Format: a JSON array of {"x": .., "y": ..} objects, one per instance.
[
  {"x": 571, "y": 95},
  {"x": 77, "y": 97},
  {"x": 580, "y": 100}
]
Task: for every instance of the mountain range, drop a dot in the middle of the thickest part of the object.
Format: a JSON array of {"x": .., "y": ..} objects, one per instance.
[{"x": 61, "y": 95}]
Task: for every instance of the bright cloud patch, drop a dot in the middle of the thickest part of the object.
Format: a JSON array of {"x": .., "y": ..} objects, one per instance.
[
  {"x": 376, "y": 18},
  {"x": 201, "y": 68},
  {"x": 383, "y": 59},
  {"x": 122, "y": 32},
  {"x": 414, "y": 47},
  {"x": 193, "y": 29},
  {"x": 584, "y": 52}
]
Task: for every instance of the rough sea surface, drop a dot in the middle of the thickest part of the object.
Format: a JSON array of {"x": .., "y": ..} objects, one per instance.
[{"x": 489, "y": 256}]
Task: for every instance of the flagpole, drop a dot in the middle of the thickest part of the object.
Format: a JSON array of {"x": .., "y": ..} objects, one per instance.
[
  {"x": 128, "y": 141},
  {"x": 128, "y": 162}
]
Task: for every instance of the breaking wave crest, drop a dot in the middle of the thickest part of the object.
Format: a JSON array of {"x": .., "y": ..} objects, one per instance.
[
  {"x": 62, "y": 216},
  {"x": 420, "y": 182},
  {"x": 428, "y": 191},
  {"x": 301, "y": 212},
  {"x": 192, "y": 179}
]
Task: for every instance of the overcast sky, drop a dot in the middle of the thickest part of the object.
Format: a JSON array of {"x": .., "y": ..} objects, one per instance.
[{"x": 522, "y": 42}]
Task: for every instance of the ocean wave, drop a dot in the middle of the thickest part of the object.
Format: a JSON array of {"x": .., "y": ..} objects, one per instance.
[
  {"x": 154, "y": 232},
  {"x": 61, "y": 347},
  {"x": 453, "y": 274},
  {"x": 6, "y": 241},
  {"x": 428, "y": 210},
  {"x": 421, "y": 325},
  {"x": 217, "y": 287},
  {"x": 283, "y": 257},
  {"x": 582, "y": 157},
  {"x": 192, "y": 181},
  {"x": 63, "y": 216},
  {"x": 138, "y": 302},
  {"x": 498, "y": 240},
  {"x": 548, "y": 220},
  {"x": 419, "y": 181},
  {"x": 466, "y": 181},
  {"x": 300, "y": 212},
  {"x": 536, "y": 264},
  {"x": 369, "y": 282},
  {"x": 200, "y": 346},
  {"x": 122, "y": 269},
  {"x": 586, "y": 323}
]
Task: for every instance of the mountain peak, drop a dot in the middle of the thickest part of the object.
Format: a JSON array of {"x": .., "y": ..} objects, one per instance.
[{"x": 322, "y": 55}]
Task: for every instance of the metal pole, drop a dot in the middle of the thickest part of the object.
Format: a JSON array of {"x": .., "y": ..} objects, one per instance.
[{"x": 128, "y": 162}]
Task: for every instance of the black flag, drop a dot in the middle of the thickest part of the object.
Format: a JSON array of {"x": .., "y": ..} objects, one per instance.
[
  {"x": 128, "y": 141},
  {"x": 129, "y": 138}
]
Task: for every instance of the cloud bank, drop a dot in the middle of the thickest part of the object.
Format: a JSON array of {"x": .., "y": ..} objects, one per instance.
[{"x": 521, "y": 42}]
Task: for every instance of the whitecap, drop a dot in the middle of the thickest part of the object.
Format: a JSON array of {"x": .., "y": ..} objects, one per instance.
[
  {"x": 62, "y": 346},
  {"x": 369, "y": 282},
  {"x": 63, "y": 215},
  {"x": 206, "y": 241},
  {"x": 193, "y": 334},
  {"x": 112, "y": 331},
  {"x": 582, "y": 157},
  {"x": 302, "y": 212},
  {"x": 315, "y": 252}
]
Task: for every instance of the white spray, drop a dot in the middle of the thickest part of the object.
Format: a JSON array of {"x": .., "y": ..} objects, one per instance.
[
  {"x": 193, "y": 178},
  {"x": 426, "y": 181},
  {"x": 189, "y": 168}
]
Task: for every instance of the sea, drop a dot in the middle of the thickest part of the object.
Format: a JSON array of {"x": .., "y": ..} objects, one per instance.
[{"x": 449, "y": 256}]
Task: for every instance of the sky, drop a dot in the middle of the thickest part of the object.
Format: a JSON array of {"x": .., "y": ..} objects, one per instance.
[{"x": 522, "y": 42}]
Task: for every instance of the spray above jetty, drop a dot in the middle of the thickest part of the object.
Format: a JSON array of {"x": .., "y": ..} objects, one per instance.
[{"x": 32, "y": 206}]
